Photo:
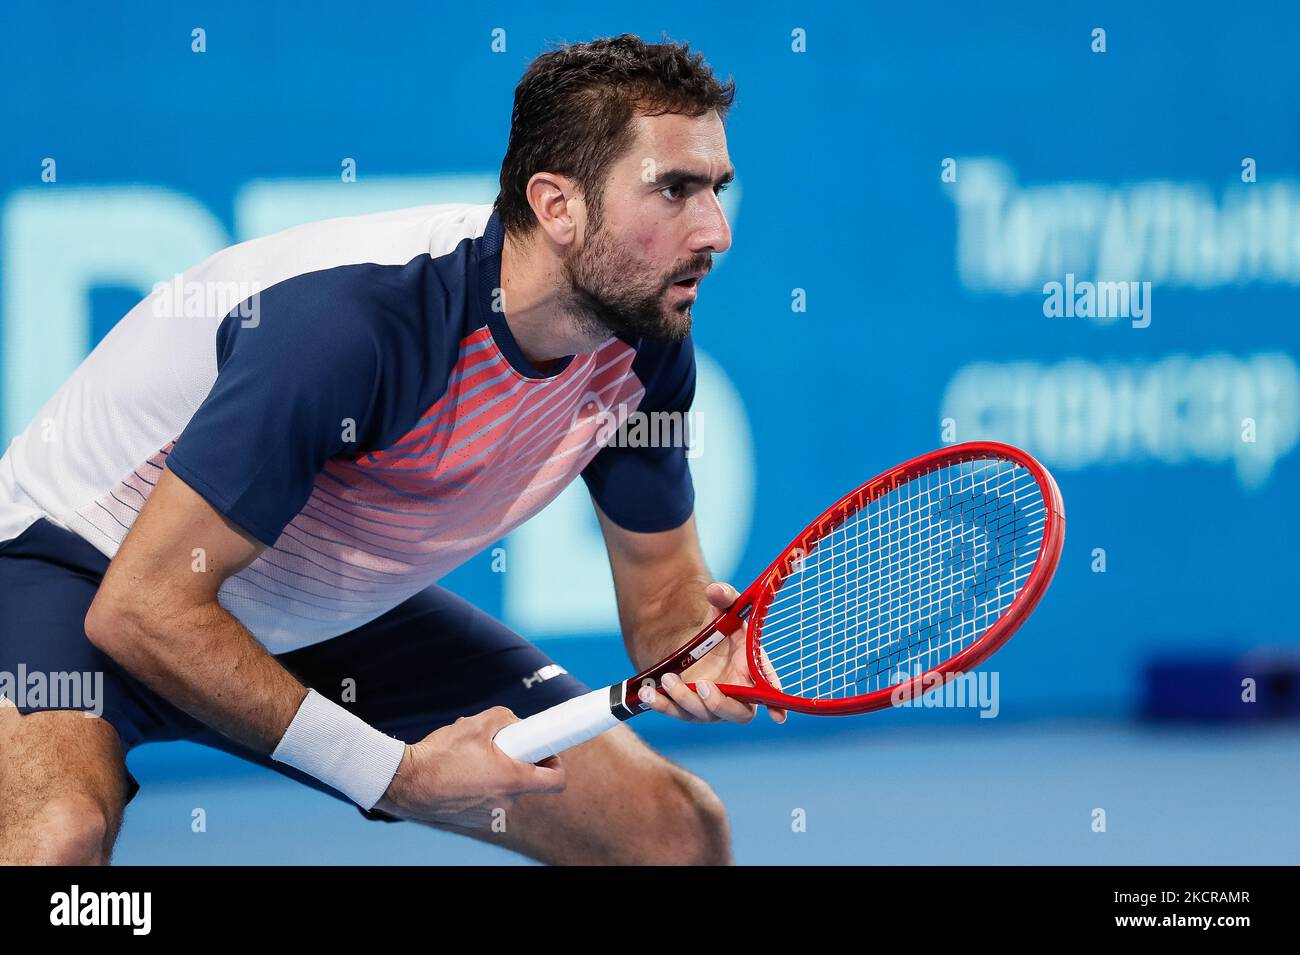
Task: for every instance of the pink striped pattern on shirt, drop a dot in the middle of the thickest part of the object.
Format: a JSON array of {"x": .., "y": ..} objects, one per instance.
[{"x": 494, "y": 450}]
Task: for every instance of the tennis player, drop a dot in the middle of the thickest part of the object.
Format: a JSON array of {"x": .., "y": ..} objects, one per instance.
[{"x": 237, "y": 515}]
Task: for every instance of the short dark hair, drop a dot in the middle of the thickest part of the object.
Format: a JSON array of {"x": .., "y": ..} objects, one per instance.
[{"x": 574, "y": 108}]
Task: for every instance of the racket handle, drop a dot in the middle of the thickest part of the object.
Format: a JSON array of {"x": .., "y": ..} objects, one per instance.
[{"x": 555, "y": 730}]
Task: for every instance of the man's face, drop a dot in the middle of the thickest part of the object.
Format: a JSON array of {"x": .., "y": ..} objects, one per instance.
[{"x": 660, "y": 222}]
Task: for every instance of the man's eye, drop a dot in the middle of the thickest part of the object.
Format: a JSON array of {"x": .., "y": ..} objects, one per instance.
[
  {"x": 667, "y": 189},
  {"x": 721, "y": 189}
]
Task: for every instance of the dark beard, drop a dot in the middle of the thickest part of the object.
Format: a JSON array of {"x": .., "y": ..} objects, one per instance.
[
  {"x": 628, "y": 315},
  {"x": 629, "y": 311}
]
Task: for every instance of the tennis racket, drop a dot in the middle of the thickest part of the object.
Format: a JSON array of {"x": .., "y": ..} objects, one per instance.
[{"x": 913, "y": 578}]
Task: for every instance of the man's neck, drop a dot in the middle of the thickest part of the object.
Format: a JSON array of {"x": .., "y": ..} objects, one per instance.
[{"x": 530, "y": 289}]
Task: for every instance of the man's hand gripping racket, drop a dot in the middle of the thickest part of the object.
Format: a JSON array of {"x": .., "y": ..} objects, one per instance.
[{"x": 913, "y": 578}]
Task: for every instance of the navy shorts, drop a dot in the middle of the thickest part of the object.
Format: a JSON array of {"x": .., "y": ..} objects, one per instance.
[{"x": 422, "y": 665}]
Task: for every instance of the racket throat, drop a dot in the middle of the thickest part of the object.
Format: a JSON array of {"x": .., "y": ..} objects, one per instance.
[{"x": 624, "y": 700}]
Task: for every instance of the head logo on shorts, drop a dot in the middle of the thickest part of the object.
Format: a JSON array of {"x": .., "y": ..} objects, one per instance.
[{"x": 542, "y": 675}]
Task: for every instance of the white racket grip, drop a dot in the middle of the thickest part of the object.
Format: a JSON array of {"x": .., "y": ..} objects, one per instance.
[{"x": 555, "y": 730}]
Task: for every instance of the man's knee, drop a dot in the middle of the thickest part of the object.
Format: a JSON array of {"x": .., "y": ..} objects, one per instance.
[
  {"x": 70, "y": 829},
  {"x": 692, "y": 823}
]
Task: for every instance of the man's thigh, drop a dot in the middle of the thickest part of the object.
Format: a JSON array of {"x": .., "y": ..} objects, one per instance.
[
  {"x": 48, "y": 580},
  {"x": 623, "y": 804},
  {"x": 63, "y": 778},
  {"x": 63, "y": 787}
]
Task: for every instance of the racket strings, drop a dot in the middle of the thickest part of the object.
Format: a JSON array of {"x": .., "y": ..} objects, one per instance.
[{"x": 905, "y": 583}]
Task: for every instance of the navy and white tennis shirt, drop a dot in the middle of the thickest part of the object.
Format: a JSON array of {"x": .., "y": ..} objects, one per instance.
[{"x": 372, "y": 420}]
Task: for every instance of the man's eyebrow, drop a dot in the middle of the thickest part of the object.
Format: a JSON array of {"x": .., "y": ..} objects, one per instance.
[{"x": 685, "y": 177}]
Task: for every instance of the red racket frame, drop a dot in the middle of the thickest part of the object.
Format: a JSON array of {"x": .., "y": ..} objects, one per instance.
[{"x": 758, "y": 595}]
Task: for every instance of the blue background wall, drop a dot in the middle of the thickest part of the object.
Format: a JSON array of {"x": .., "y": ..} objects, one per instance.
[{"x": 924, "y": 297}]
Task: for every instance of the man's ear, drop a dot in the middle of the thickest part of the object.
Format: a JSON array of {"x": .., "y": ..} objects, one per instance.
[{"x": 558, "y": 206}]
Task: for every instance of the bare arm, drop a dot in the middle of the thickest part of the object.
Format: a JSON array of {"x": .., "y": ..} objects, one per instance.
[
  {"x": 665, "y": 596},
  {"x": 660, "y": 580},
  {"x": 156, "y": 613}
]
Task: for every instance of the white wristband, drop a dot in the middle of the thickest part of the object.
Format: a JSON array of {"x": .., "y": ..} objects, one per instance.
[{"x": 341, "y": 750}]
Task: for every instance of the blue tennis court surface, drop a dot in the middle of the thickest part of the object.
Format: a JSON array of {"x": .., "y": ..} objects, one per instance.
[{"x": 1016, "y": 793}]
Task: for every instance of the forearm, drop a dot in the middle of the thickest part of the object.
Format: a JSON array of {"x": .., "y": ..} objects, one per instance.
[
  {"x": 663, "y": 623},
  {"x": 203, "y": 661}
]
